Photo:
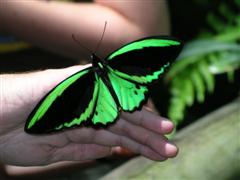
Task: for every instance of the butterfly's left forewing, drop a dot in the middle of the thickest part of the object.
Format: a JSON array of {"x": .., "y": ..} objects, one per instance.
[{"x": 144, "y": 60}]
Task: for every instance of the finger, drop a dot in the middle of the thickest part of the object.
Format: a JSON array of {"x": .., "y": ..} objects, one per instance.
[
  {"x": 153, "y": 140},
  {"x": 106, "y": 138},
  {"x": 149, "y": 120},
  {"x": 150, "y": 106},
  {"x": 40, "y": 83},
  {"x": 54, "y": 76},
  {"x": 90, "y": 136},
  {"x": 82, "y": 135},
  {"x": 140, "y": 149},
  {"x": 80, "y": 152}
]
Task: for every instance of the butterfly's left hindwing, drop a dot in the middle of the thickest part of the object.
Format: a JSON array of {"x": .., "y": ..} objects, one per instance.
[
  {"x": 130, "y": 95},
  {"x": 68, "y": 104}
]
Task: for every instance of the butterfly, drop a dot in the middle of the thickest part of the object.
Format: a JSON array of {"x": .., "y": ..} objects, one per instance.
[{"x": 96, "y": 95}]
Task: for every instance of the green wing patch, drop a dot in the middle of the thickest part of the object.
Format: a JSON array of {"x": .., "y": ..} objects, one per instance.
[
  {"x": 143, "y": 44},
  {"x": 130, "y": 95},
  {"x": 106, "y": 109},
  {"x": 52, "y": 96},
  {"x": 141, "y": 79},
  {"x": 86, "y": 114}
]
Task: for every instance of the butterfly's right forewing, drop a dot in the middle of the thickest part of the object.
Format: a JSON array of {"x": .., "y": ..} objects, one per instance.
[{"x": 70, "y": 103}]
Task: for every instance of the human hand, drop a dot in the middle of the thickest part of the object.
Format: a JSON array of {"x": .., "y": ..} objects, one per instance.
[{"x": 142, "y": 132}]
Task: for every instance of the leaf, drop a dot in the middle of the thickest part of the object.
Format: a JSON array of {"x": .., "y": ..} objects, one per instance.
[
  {"x": 176, "y": 110},
  {"x": 227, "y": 62},
  {"x": 201, "y": 60},
  {"x": 206, "y": 75},
  {"x": 189, "y": 89},
  {"x": 237, "y": 2},
  {"x": 215, "y": 22},
  {"x": 199, "y": 86},
  {"x": 204, "y": 47},
  {"x": 226, "y": 12}
]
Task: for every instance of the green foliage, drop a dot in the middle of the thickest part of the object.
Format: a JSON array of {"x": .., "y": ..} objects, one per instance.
[{"x": 193, "y": 75}]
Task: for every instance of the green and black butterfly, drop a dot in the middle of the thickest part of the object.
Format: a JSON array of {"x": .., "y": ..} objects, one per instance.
[{"x": 98, "y": 94}]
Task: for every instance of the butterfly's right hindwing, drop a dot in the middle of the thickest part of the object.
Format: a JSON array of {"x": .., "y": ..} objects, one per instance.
[{"x": 70, "y": 103}]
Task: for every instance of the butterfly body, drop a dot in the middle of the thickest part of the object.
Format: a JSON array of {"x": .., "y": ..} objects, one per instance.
[
  {"x": 96, "y": 95},
  {"x": 100, "y": 68},
  {"x": 97, "y": 63}
]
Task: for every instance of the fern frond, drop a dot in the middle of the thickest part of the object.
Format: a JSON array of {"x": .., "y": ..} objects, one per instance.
[
  {"x": 227, "y": 13},
  {"x": 193, "y": 74},
  {"x": 199, "y": 85},
  {"x": 195, "y": 50},
  {"x": 225, "y": 62},
  {"x": 189, "y": 89},
  {"x": 177, "y": 111},
  {"x": 215, "y": 23},
  {"x": 227, "y": 30},
  {"x": 237, "y": 2},
  {"x": 207, "y": 76}
]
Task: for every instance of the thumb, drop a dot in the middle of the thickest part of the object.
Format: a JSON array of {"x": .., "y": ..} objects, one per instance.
[
  {"x": 44, "y": 81},
  {"x": 20, "y": 93}
]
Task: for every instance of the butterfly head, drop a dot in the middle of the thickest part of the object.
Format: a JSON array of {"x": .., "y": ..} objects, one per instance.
[
  {"x": 97, "y": 62},
  {"x": 94, "y": 57},
  {"x": 99, "y": 65}
]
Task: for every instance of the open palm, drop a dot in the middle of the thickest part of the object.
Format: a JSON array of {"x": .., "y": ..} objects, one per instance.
[{"x": 141, "y": 131}]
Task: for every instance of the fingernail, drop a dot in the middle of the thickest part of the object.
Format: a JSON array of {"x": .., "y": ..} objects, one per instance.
[
  {"x": 171, "y": 150},
  {"x": 167, "y": 123},
  {"x": 167, "y": 126}
]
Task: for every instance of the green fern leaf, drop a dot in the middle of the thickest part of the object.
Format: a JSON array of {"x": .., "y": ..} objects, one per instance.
[
  {"x": 199, "y": 85},
  {"x": 207, "y": 76},
  {"x": 193, "y": 74},
  {"x": 237, "y": 2},
  {"x": 176, "y": 112},
  {"x": 227, "y": 13},
  {"x": 189, "y": 89},
  {"x": 225, "y": 62},
  {"x": 215, "y": 22}
]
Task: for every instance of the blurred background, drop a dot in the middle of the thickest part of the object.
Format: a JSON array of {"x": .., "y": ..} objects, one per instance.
[{"x": 200, "y": 93}]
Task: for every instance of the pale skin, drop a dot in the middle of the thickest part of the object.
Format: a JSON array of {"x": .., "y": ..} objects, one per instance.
[{"x": 142, "y": 131}]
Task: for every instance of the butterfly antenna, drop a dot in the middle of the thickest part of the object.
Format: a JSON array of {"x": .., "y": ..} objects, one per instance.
[
  {"x": 82, "y": 46},
  {"x": 99, "y": 43}
]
